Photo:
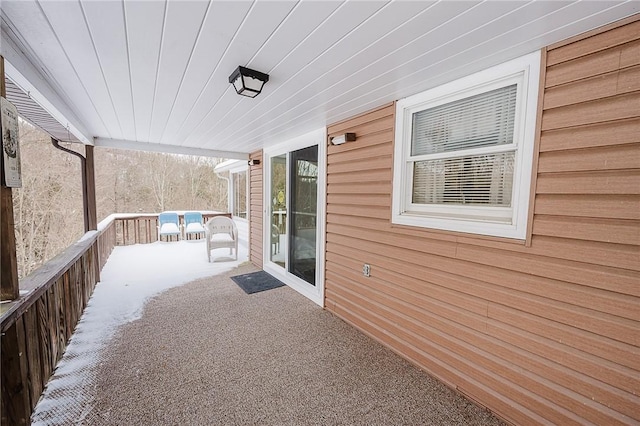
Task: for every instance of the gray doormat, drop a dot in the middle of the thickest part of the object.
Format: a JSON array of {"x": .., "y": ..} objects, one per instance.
[{"x": 256, "y": 282}]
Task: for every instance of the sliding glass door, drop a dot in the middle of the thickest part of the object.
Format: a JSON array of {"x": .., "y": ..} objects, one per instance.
[
  {"x": 294, "y": 222},
  {"x": 303, "y": 172}
]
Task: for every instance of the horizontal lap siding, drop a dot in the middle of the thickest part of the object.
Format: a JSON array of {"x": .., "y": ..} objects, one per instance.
[
  {"x": 255, "y": 210},
  {"x": 541, "y": 333}
]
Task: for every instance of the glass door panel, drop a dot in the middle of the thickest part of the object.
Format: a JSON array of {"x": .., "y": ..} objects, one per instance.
[
  {"x": 303, "y": 211},
  {"x": 278, "y": 209},
  {"x": 240, "y": 194}
]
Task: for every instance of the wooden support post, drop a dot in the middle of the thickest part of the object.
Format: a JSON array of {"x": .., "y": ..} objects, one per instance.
[
  {"x": 16, "y": 408},
  {"x": 9, "y": 286},
  {"x": 90, "y": 177},
  {"x": 92, "y": 209},
  {"x": 83, "y": 174}
]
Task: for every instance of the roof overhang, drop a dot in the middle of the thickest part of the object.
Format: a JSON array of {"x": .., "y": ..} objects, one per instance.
[
  {"x": 32, "y": 112},
  {"x": 39, "y": 96},
  {"x": 232, "y": 166},
  {"x": 169, "y": 149}
]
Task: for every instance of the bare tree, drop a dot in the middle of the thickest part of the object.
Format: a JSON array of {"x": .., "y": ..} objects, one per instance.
[
  {"x": 48, "y": 208},
  {"x": 159, "y": 169}
]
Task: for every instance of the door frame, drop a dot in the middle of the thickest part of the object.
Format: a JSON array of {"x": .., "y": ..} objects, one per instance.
[{"x": 316, "y": 137}]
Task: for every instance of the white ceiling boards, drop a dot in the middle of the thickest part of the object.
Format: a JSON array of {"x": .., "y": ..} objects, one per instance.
[{"x": 156, "y": 72}]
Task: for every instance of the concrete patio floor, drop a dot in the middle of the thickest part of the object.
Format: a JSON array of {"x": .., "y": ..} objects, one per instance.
[
  {"x": 207, "y": 353},
  {"x": 169, "y": 339}
]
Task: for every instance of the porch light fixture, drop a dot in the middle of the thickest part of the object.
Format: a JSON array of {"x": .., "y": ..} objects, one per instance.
[
  {"x": 253, "y": 162},
  {"x": 248, "y": 82},
  {"x": 340, "y": 139}
]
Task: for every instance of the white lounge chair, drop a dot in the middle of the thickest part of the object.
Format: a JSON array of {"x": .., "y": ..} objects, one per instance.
[{"x": 221, "y": 232}]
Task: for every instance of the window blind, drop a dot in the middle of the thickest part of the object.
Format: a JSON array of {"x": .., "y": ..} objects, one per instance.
[
  {"x": 481, "y": 179},
  {"x": 482, "y": 120}
]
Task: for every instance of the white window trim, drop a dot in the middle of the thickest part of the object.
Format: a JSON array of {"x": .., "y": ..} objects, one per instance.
[
  {"x": 316, "y": 137},
  {"x": 232, "y": 200},
  {"x": 234, "y": 166},
  {"x": 526, "y": 70}
]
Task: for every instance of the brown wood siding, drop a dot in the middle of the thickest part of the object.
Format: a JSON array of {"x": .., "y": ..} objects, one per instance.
[
  {"x": 255, "y": 210},
  {"x": 546, "y": 332}
]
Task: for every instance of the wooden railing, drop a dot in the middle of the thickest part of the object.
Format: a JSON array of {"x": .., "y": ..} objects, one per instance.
[
  {"x": 37, "y": 327},
  {"x": 143, "y": 228},
  {"x": 136, "y": 229}
]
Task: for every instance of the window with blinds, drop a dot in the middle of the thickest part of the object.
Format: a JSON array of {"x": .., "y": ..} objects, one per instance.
[
  {"x": 482, "y": 120},
  {"x": 479, "y": 179},
  {"x": 456, "y": 128},
  {"x": 464, "y": 151}
]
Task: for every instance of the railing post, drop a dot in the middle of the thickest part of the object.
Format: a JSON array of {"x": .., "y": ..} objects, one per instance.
[{"x": 16, "y": 404}]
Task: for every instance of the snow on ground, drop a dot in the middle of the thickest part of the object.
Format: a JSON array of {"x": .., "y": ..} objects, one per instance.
[{"x": 132, "y": 275}]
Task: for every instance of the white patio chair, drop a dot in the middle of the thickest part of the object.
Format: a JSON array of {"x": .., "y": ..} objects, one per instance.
[
  {"x": 221, "y": 232},
  {"x": 168, "y": 225}
]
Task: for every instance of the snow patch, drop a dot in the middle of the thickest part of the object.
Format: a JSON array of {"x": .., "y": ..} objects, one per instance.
[{"x": 133, "y": 275}]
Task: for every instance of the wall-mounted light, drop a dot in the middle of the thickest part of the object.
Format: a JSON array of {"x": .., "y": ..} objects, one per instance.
[
  {"x": 253, "y": 162},
  {"x": 340, "y": 139},
  {"x": 248, "y": 82}
]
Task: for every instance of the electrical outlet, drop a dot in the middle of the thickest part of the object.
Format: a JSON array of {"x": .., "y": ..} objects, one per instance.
[{"x": 366, "y": 270}]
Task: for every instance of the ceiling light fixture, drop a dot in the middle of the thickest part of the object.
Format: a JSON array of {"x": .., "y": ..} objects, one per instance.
[
  {"x": 248, "y": 82},
  {"x": 340, "y": 139}
]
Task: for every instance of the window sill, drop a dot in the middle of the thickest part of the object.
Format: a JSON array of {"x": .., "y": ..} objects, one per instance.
[{"x": 458, "y": 236}]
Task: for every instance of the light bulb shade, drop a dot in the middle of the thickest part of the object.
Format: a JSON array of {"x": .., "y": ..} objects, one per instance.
[
  {"x": 248, "y": 82},
  {"x": 340, "y": 139}
]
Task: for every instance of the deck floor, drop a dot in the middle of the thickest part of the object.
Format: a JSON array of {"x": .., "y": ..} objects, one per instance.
[{"x": 206, "y": 353}]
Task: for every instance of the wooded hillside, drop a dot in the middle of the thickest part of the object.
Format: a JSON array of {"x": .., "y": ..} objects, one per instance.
[{"x": 48, "y": 207}]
